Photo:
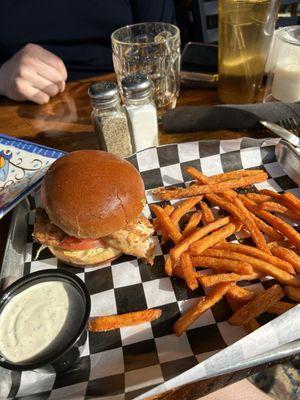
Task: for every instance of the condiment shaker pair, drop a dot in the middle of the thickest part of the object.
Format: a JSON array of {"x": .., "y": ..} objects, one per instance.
[{"x": 133, "y": 127}]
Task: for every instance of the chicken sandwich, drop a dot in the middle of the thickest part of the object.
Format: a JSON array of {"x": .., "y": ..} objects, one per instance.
[{"x": 92, "y": 203}]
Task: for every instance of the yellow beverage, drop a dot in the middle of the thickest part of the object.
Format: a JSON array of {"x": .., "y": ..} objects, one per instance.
[{"x": 245, "y": 32}]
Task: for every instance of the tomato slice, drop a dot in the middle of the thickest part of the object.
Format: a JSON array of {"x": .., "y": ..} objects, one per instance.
[{"x": 73, "y": 243}]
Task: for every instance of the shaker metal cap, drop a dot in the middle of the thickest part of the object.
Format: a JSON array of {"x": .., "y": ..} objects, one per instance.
[
  {"x": 137, "y": 85},
  {"x": 103, "y": 92}
]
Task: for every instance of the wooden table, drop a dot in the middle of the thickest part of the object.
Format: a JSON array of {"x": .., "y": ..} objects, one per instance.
[{"x": 65, "y": 124}]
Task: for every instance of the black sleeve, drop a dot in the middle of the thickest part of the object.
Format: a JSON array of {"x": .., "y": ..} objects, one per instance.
[{"x": 153, "y": 11}]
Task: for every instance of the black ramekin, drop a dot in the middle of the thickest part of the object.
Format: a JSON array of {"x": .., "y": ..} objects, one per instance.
[{"x": 72, "y": 350}]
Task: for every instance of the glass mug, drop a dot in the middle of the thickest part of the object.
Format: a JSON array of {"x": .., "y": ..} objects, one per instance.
[
  {"x": 246, "y": 29},
  {"x": 283, "y": 82},
  {"x": 153, "y": 48}
]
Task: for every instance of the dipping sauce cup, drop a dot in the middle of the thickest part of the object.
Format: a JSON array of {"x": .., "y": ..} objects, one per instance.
[{"x": 43, "y": 321}]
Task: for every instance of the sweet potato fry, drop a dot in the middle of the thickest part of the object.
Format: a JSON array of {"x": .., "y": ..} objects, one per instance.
[
  {"x": 280, "y": 209},
  {"x": 283, "y": 243},
  {"x": 194, "y": 173},
  {"x": 183, "y": 208},
  {"x": 188, "y": 271},
  {"x": 252, "y": 325},
  {"x": 192, "y": 224},
  {"x": 240, "y": 173},
  {"x": 286, "y": 229},
  {"x": 267, "y": 229},
  {"x": 198, "y": 234},
  {"x": 178, "y": 272},
  {"x": 169, "y": 209},
  {"x": 249, "y": 222},
  {"x": 270, "y": 193},
  {"x": 258, "y": 265},
  {"x": 194, "y": 190},
  {"x": 280, "y": 307},
  {"x": 204, "y": 304},
  {"x": 256, "y": 306},
  {"x": 291, "y": 201},
  {"x": 292, "y": 293},
  {"x": 288, "y": 255},
  {"x": 203, "y": 179},
  {"x": 238, "y": 267},
  {"x": 166, "y": 223},
  {"x": 229, "y": 194},
  {"x": 168, "y": 265},
  {"x": 213, "y": 280},
  {"x": 259, "y": 198},
  {"x": 165, "y": 236},
  {"x": 207, "y": 214},
  {"x": 110, "y": 322},
  {"x": 240, "y": 294},
  {"x": 287, "y": 199},
  {"x": 238, "y": 210},
  {"x": 272, "y": 206},
  {"x": 254, "y": 252},
  {"x": 215, "y": 237}
]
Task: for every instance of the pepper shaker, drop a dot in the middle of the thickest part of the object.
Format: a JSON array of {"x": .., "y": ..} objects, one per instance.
[
  {"x": 140, "y": 106},
  {"x": 109, "y": 119}
]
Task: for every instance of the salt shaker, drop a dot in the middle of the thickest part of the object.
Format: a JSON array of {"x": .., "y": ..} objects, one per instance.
[
  {"x": 140, "y": 106},
  {"x": 109, "y": 119}
]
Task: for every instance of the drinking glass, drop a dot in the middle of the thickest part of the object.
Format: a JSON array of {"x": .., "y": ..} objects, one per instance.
[
  {"x": 153, "y": 48},
  {"x": 283, "y": 82},
  {"x": 246, "y": 28}
]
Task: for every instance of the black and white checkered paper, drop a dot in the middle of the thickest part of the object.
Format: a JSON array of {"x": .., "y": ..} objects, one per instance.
[{"x": 125, "y": 363}]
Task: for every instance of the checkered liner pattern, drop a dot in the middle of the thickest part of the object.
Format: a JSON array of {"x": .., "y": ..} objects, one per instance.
[{"x": 124, "y": 363}]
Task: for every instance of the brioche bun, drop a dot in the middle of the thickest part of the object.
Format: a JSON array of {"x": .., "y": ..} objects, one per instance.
[{"x": 92, "y": 193}]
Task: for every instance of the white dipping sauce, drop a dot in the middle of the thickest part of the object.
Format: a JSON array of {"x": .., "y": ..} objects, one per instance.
[{"x": 39, "y": 321}]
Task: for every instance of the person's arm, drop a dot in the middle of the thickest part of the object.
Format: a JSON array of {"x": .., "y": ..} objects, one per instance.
[
  {"x": 238, "y": 391},
  {"x": 33, "y": 73},
  {"x": 153, "y": 11}
]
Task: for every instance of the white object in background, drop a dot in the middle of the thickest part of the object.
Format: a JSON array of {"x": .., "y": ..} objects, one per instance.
[
  {"x": 286, "y": 83},
  {"x": 283, "y": 66},
  {"x": 143, "y": 121},
  {"x": 140, "y": 106}
]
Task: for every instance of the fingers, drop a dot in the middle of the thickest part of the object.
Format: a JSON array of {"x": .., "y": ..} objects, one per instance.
[
  {"x": 50, "y": 74},
  {"x": 32, "y": 74},
  {"x": 48, "y": 86},
  {"x": 27, "y": 92},
  {"x": 48, "y": 58}
]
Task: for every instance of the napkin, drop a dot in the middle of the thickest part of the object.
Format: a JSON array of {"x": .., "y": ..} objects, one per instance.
[
  {"x": 229, "y": 116},
  {"x": 257, "y": 347}
]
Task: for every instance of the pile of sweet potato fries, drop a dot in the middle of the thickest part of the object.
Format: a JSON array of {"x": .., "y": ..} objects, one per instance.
[{"x": 267, "y": 216}]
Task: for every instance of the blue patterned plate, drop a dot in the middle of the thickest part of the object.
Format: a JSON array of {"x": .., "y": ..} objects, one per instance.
[{"x": 22, "y": 166}]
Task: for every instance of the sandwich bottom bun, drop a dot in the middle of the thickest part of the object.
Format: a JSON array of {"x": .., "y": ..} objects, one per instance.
[{"x": 83, "y": 258}]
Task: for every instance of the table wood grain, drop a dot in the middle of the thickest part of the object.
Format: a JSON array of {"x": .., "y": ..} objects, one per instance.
[{"x": 65, "y": 123}]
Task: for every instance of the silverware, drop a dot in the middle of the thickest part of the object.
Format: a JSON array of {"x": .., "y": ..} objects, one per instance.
[
  {"x": 291, "y": 125},
  {"x": 282, "y": 132},
  {"x": 288, "y": 157}
]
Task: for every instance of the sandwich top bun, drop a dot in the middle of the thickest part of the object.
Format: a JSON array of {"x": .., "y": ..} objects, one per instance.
[{"x": 92, "y": 193}]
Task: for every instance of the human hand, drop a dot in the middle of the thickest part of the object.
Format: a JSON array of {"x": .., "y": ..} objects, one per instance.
[{"x": 33, "y": 73}]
